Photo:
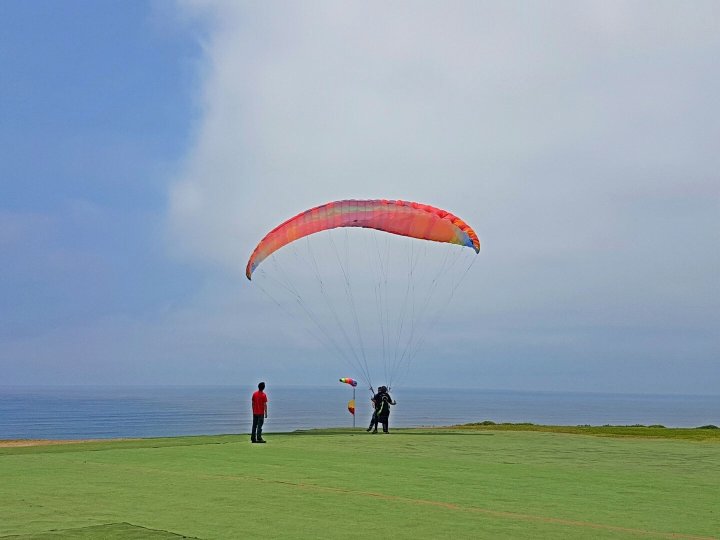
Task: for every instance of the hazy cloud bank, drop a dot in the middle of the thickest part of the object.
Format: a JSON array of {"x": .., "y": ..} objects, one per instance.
[{"x": 579, "y": 139}]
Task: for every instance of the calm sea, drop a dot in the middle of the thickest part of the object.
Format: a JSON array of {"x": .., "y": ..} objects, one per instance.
[{"x": 104, "y": 412}]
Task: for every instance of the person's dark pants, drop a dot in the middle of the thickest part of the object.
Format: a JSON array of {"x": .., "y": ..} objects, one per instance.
[
  {"x": 373, "y": 422},
  {"x": 258, "y": 420},
  {"x": 384, "y": 420}
]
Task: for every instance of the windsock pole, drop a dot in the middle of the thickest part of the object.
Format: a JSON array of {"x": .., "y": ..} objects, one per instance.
[{"x": 351, "y": 403}]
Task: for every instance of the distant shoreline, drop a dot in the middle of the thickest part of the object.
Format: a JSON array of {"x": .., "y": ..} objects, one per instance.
[{"x": 18, "y": 443}]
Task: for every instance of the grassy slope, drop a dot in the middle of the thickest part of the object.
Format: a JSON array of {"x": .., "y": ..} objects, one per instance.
[
  {"x": 653, "y": 432},
  {"x": 465, "y": 483}
]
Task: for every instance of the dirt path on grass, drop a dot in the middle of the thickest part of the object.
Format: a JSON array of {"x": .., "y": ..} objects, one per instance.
[
  {"x": 453, "y": 507},
  {"x": 503, "y": 514}
]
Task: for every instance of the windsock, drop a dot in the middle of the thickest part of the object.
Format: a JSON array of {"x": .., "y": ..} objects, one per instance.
[
  {"x": 351, "y": 407},
  {"x": 348, "y": 380}
]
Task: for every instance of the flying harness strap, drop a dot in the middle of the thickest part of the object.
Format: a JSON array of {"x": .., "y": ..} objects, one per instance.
[{"x": 383, "y": 405}]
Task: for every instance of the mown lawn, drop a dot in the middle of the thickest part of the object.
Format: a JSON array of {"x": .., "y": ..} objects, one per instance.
[{"x": 465, "y": 482}]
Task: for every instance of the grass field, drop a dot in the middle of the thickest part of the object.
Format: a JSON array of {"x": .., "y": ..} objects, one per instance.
[{"x": 466, "y": 482}]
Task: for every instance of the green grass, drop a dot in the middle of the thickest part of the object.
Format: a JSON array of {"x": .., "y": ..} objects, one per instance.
[
  {"x": 465, "y": 482},
  {"x": 124, "y": 531},
  {"x": 704, "y": 433}
]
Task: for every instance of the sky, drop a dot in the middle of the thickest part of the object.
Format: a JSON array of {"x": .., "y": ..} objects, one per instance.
[{"x": 146, "y": 147}]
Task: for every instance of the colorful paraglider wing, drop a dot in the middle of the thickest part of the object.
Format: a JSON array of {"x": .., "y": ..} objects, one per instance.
[
  {"x": 348, "y": 380},
  {"x": 351, "y": 406},
  {"x": 397, "y": 217}
]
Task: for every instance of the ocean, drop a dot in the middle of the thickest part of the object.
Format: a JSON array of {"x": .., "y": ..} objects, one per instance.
[{"x": 108, "y": 412}]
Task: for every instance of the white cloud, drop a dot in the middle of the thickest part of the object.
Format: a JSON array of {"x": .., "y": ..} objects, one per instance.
[{"x": 577, "y": 138}]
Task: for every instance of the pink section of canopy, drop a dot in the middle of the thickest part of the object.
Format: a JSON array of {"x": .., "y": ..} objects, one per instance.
[{"x": 397, "y": 217}]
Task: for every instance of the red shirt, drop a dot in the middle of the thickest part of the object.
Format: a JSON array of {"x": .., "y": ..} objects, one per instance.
[{"x": 259, "y": 399}]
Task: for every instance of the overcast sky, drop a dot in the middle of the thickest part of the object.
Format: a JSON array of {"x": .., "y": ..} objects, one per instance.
[{"x": 145, "y": 148}]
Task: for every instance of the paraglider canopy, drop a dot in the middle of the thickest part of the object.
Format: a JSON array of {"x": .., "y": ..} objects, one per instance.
[
  {"x": 403, "y": 218},
  {"x": 370, "y": 279}
]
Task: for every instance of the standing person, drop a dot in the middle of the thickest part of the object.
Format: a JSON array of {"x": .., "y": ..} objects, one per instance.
[
  {"x": 259, "y": 409},
  {"x": 382, "y": 407},
  {"x": 374, "y": 419}
]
